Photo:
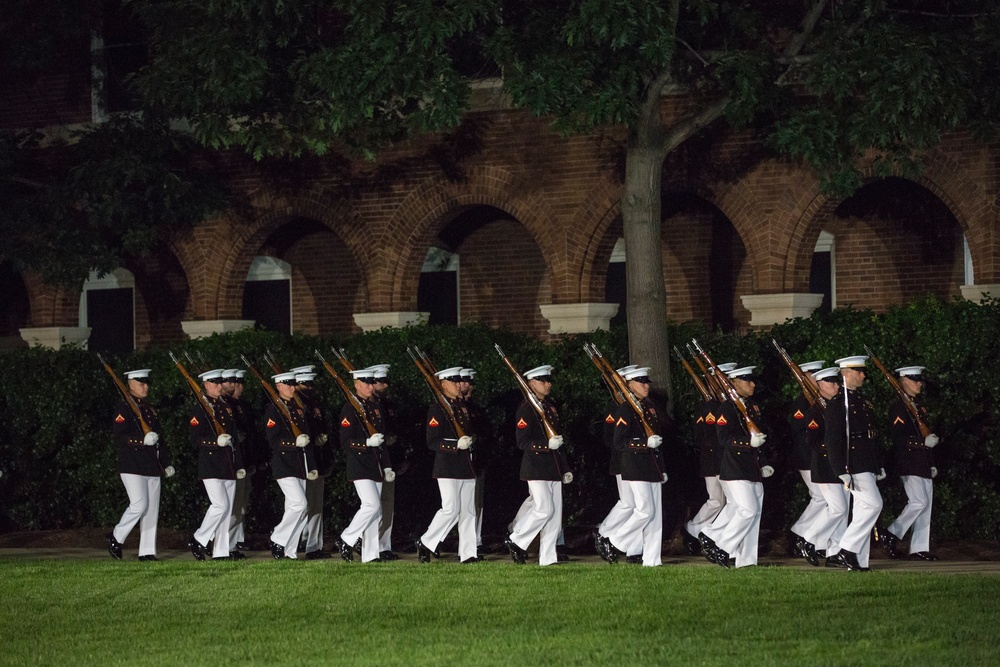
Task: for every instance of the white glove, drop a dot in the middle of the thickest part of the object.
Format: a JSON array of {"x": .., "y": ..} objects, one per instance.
[
  {"x": 153, "y": 437},
  {"x": 323, "y": 437},
  {"x": 224, "y": 440},
  {"x": 169, "y": 471},
  {"x": 301, "y": 440},
  {"x": 654, "y": 441},
  {"x": 567, "y": 477},
  {"x": 931, "y": 441},
  {"x": 933, "y": 472},
  {"x": 766, "y": 471},
  {"x": 845, "y": 478},
  {"x": 555, "y": 442},
  {"x": 664, "y": 478},
  {"x": 312, "y": 474},
  {"x": 881, "y": 475},
  {"x": 388, "y": 474},
  {"x": 757, "y": 439},
  {"x": 375, "y": 440},
  {"x": 241, "y": 473},
  {"x": 464, "y": 442}
]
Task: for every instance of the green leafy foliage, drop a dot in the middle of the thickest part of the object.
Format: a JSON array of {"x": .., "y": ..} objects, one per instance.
[{"x": 59, "y": 461}]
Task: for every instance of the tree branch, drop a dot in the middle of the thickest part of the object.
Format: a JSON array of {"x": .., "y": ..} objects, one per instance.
[{"x": 692, "y": 124}]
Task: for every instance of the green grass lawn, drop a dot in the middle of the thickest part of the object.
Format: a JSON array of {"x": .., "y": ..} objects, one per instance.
[{"x": 80, "y": 612}]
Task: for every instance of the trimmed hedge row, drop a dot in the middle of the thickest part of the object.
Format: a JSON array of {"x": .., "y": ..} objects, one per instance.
[{"x": 58, "y": 459}]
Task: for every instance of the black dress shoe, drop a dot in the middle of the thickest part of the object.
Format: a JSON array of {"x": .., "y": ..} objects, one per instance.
[
  {"x": 148, "y": 557},
  {"x": 691, "y": 543},
  {"x": 387, "y": 555},
  {"x": 423, "y": 553},
  {"x": 197, "y": 550},
  {"x": 722, "y": 558},
  {"x": 633, "y": 560},
  {"x": 319, "y": 554},
  {"x": 517, "y": 554},
  {"x": 114, "y": 546},
  {"x": 277, "y": 551},
  {"x": 798, "y": 545},
  {"x": 561, "y": 558},
  {"x": 222, "y": 557},
  {"x": 345, "y": 550},
  {"x": 236, "y": 555},
  {"x": 836, "y": 560},
  {"x": 851, "y": 560},
  {"x": 613, "y": 552},
  {"x": 357, "y": 547},
  {"x": 705, "y": 541},
  {"x": 470, "y": 561},
  {"x": 809, "y": 553},
  {"x": 922, "y": 555},
  {"x": 890, "y": 542},
  {"x": 241, "y": 546},
  {"x": 601, "y": 547}
]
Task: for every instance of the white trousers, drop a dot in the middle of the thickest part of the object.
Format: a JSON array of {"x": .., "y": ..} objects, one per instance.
[
  {"x": 215, "y": 525},
  {"x": 828, "y": 528},
  {"x": 739, "y": 534},
  {"x": 313, "y": 530},
  {"x": 388, "y": 500},
  {"x": 917, "y": 513},
  {"x": 458, "y": 506},
  {"x": 710, "y": 510},
  {"x": 543, "y": 520},
  {"x": 241, "y": 500},
  {"x": 526, "y": 506},
  {"x": 288, "y": 532},
  {"x": 642, "y": 532},
  {"x": 143, "y": 508},
  {"x": 814, "y": 508},
  {"x": 365, "y": 521},
  {"x": 480, "y": 495},
  {"x": 867, "y": 506},
  {"x": 620, "y": 513}
]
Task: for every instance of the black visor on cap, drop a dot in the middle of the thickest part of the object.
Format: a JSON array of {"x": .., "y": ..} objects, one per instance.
[
  {"x": 543, "y": 378},
  {"x": 915, "y": 378},
  {"x": 290, "y": 383},
  {"x": 453, "y": 378},
  {"x": 642, "y": 379},
  {"x": 144, "y": 380},
  {"x": 834, "y": 379}
]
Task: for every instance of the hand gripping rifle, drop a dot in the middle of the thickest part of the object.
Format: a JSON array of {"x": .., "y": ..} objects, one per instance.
[
  {"x": 809, "y": 387},
  {"x": 426, "y": 368},
  {"x": 714, "y": 384},
  {"x": 199, "y": 396},
  {"x": 596, "y": 358},
  {"x": 129, "y": 399},
  {"x": 907, "y": 400},
  {"x": 698, "y": 384},
  {"x": 730, "y": 390},
  {"x": 619, "y": 383},
  {"x": 349, "y": 395}
]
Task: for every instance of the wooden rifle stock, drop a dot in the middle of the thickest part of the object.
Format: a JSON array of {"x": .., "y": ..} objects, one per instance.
[
  {"x": 272, "y": 394},
  {"x": 129, "y": 399},
  {"x": 622, "y": 386},
  {"x": 426, "y": 368},
  {"x": 199, "y": 396},
  {"x": 342, "y": 358},
  {"x": 907, "y": 400},
  {"x": 731, "y": 392},
  {"x": 529, "y": 396},
  {"x": 596, "y": 358},
  {"x": 808, "y": 385},
  {"x": 349, "y": 395},
  {"x": 699, "y": 385}
]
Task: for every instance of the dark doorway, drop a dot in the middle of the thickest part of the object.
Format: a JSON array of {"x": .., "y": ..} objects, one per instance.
[
  {"x": 616, "y": 290},
  {"x": 820, "y": 279},
  {"x": 269, "y": 304},
  {"x": 111, "y": 318},
  {"x": 437, "y": 294}
]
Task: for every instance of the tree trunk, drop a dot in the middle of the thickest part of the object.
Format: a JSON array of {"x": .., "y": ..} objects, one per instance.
[{"x": 646, "y": 307}]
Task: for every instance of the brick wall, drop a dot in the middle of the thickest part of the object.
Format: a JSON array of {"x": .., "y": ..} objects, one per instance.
[{"x": 327, "y": 286}]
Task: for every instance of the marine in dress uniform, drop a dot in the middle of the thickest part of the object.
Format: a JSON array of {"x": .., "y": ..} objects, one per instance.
[
  {"x": 708, "y": 467},
  {"x": 368, "y": 466},
  {"x": 293, "y": 463},
  {"x": 319, "y": 432},
  {"x": 545, "y": 468},
  {"x": 622, "y": 510},
  {"x": 232, "y": 389},
  {"x": 481, "y": 426},
  {"x": 742, "y": 469},
  {"x": 823, "y": 537},
  {"x": 142, "y": 460},
  {"x": 854, "y": 458},
  {"x": 800, "y": 458},
  {"x": 914, "y": 458},
  {"x": 380, "y": 373},
  {"x": 219, "y": 466},
  {"x": 643, "y": 470},
  {"x": 454, "y": 470}
]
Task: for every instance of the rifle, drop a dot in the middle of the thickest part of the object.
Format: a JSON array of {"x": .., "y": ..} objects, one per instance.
[
  {"x": 699, "y": 385},
  {"x": 907, "y": 400},
  {"x": 272, "y": 393},
  {"x": 714, "y": 384},
  {"x": 198, "y": 370},
  {"x": 809, "y": 388},
  {"x": 129, "y": 399},
  {"x": 276, "y": 368},
  {"x": 730, "y": 390},
  {"x": 627, "y": 396},
  {"x": 426, "y": 368},
  {"x": 529, "y": 396},
  {"x": 349, "y": 395},
  {"x": 595, "y": 357},
  {"x": 342, "y": 358},
  {"x": 199, "y": 396}
]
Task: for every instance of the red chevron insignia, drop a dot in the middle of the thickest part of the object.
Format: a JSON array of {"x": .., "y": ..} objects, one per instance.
[
  {"x": 345, "y": 423},
  {"x": 271, "y": 423},
  {"x": 194, "y": 421},
  {"x": 433, "y": 423},
  {"x": 120, "y": 419},
  {"x": 522, "y": 424},
  {"x": 812, "y": 425},
  {"x": 721, "y": 421},
  {"x": 798, "y": 415}
]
